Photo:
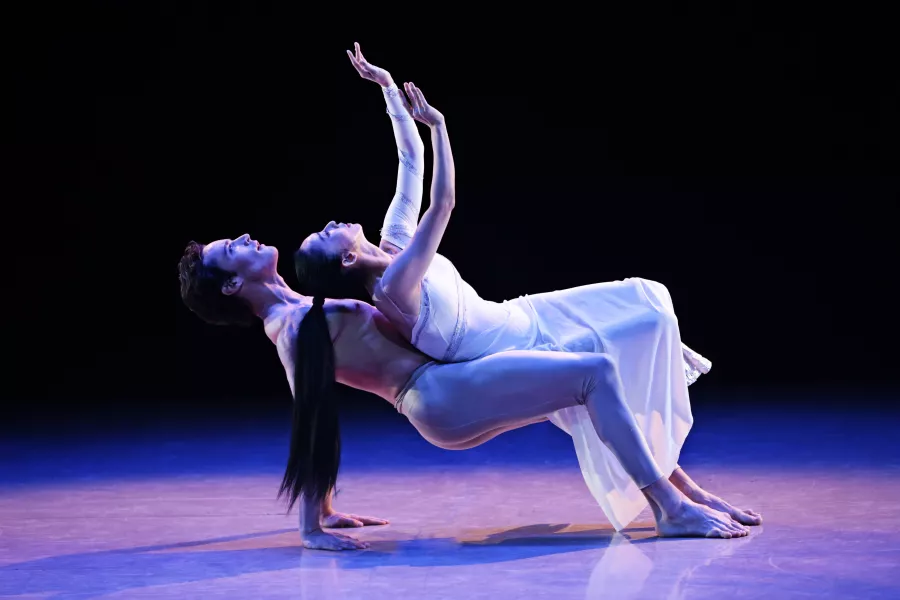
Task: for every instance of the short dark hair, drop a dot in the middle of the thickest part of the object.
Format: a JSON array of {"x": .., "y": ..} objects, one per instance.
[{"x": 201, "y": 290}]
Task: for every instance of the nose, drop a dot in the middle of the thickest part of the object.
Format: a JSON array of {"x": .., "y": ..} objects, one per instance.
[
  {"x": 331, "y": 225},
  {"x": 244, "y": 239}
]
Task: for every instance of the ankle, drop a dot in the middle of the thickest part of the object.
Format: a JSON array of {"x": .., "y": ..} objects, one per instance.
[
  {"x": 694, "y": 493},
  {"x": 691, "y": 491},
  {"x": 668, "y": 499}
]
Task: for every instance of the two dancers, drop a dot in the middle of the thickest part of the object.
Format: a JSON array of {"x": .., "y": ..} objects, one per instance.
[{"x": 604, "y": 362}]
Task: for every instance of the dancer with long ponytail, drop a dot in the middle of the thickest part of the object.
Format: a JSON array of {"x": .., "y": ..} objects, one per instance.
[
  {"x": 452, "y": 405},
  {"x": 423, "y": 294}
]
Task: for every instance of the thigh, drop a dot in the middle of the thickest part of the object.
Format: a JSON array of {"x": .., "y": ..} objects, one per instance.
[
  {"x": 490, "y": 434},
  {"x": 461, "y": 401}
]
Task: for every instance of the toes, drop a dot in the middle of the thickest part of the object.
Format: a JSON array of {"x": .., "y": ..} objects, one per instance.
[
  {"x": 746, "y": 518},
  {"x": 735, "y": 528},
  {"x": 720, "y": 530}
]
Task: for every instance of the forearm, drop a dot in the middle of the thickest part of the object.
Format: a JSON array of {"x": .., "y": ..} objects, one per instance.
[
  {"x": 443, "y": 180},
  {"x": 402, "y": 215},
  {"x": 405, "y": 273},
  {"x": 311, "y": 513},
  {"x": 406, "y": 134}
]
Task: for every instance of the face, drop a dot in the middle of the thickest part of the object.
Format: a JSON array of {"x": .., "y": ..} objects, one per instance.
[
  {"x": 244, "y": 256},
  {"x": 341, "y": 239}
]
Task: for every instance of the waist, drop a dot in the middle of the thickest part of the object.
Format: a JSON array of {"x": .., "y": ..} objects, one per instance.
[
  {"x": 385, "y": 377},
  {"x": 410, "y": 382},
  {"x": 506, "y": 326}
]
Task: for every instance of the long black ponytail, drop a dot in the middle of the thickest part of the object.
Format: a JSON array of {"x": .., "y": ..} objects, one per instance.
[{"x": 315, "y": 454}]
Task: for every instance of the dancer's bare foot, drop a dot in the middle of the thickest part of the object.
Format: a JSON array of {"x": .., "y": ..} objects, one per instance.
[
  {"x": 694, "y": 492},
  {"x": 695, "y": 520},
  {"x": 744, "y": 517}
]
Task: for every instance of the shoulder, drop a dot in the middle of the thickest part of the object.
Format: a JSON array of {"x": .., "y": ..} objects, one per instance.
[{"x": 338, "y": 313}]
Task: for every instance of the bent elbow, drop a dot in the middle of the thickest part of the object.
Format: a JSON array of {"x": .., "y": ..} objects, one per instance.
[{"x": 447, "y": 202}]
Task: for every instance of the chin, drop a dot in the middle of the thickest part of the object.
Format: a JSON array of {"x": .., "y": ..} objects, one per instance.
[{"x": 269, "y": 254}]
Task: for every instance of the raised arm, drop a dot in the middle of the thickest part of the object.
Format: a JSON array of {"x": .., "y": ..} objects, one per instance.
[
  {"x": 402, "y": 278},
  {"x": 403, "y": 214}
]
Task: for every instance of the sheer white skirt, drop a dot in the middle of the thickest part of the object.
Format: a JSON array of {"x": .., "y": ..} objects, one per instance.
[{"x": 632, "y": 320}]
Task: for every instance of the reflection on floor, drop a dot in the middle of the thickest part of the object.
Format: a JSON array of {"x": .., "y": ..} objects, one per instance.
[{"x": 189, "y": 511}]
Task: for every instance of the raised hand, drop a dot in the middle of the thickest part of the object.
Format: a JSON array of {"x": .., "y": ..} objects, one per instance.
[
  {"x": 420, "y": 110},
  {"x": 322, "y": 540},
  {"x": 367, "y": 70}
]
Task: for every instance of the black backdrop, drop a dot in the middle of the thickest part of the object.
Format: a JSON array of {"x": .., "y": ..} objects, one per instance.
[{"x": 747, "y": 162}]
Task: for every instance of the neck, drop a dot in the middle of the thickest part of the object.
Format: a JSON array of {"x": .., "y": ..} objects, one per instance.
[
  {"x": 376, "y": 262},
  {"x": 270, "y": 299}
]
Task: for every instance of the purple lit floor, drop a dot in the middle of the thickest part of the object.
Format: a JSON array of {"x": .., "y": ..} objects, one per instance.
[{"x": 188, "y": 511}]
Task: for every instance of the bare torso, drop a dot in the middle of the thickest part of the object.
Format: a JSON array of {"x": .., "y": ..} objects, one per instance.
[{"x": 370, "y": 354}]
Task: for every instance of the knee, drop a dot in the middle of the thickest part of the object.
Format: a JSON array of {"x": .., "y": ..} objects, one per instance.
[
  {"x": 602, "y": 364},
  {"x": 600, "y": 371}
]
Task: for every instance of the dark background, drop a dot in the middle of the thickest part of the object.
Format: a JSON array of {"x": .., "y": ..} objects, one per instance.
[{"x": 747, "y": 161}]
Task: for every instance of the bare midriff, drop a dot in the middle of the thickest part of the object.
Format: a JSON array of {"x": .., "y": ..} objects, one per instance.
[{"x": 369, "y": 353}]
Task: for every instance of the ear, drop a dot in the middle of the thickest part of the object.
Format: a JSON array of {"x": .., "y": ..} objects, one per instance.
[
  {"x": 233, "y": 285},
  {"x": 349, "y": 259}
]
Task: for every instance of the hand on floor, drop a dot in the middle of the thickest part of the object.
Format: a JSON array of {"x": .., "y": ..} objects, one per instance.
[
  {"x": 322, "y": 540},
  {"x": 338, "y": 520}
]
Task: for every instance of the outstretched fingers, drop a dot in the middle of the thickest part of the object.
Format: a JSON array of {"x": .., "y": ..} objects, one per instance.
[
  {"x": 413, "y": 99},
  {"x": 359, "y": 61},
  {"x": 370, "y": 520},
  {"x": 355, "y": 63},
  {"x": 419, "y": 96}
]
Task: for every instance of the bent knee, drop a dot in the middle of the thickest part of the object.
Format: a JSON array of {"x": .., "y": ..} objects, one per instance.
[
  {"x": 597, "y": 362},
  {"x": 600, "y": 370}
]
